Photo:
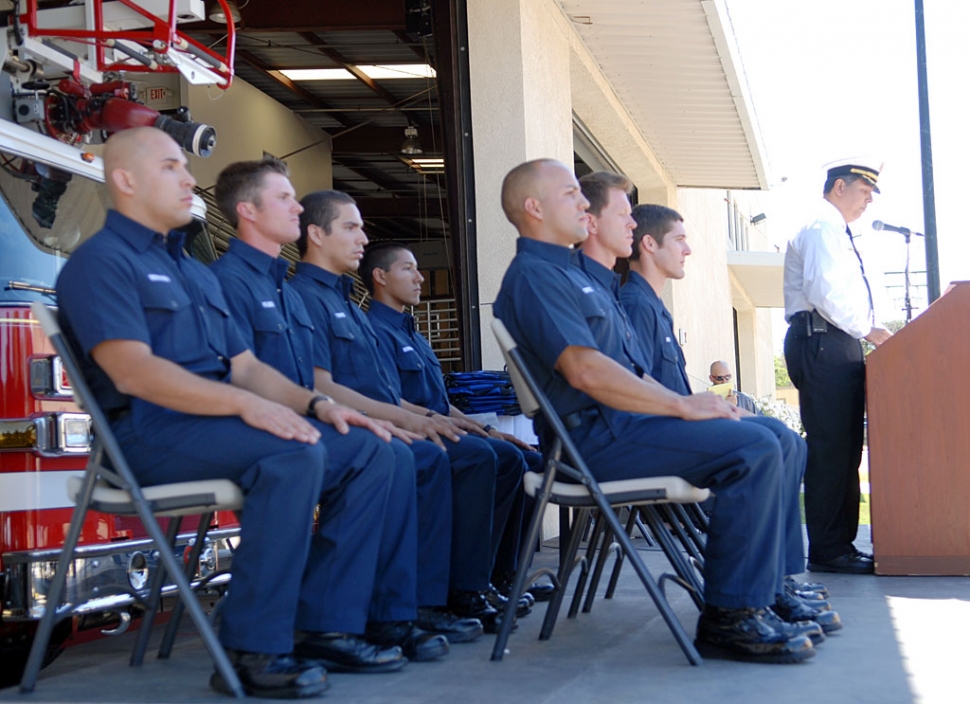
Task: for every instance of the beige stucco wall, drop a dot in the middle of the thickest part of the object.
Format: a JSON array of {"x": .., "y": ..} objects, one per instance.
[
  {"x": 519, "y": 81},
  {"x": 265, "y": 126},
  {"x": 702, "y": 302}
]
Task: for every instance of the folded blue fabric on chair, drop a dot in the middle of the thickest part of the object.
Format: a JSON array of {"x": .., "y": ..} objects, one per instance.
[{"x": 482, "y": 392}]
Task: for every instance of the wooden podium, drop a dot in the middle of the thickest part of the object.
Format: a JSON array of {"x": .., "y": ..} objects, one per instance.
[{"x": 918, "y": 395}]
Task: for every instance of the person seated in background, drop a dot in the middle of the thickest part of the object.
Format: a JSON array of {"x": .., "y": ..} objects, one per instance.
[
  {"x": 348, "y": 366},
  {"x": 369, "y": 556},
  {"x": 657, "y": 253},
  {"x": 390, "y": 273},
  {"x": 721, "y": 374},
  {"x": 187, "y": 401}
]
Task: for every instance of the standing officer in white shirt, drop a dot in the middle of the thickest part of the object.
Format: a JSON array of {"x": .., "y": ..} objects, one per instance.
[{"x": 828, "y": 304}]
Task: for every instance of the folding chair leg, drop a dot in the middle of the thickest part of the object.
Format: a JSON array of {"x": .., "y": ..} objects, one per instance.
[
  {"x": 690, "y": 527},
  {"x": 609, "y": 547},
  {"x": 168, "y": 640},
  {"x": 525, "y": 562},
  {"x": 618, "y": 565},
  {"x": 196, "y": 613},
  {"x": 648, "y": 581},
  {"x": 596, "y": 537},
  {"x": 55, "y": 594},
  {"x": 674, "y": 520},
  {"x": 674, "y": 556},
  {"x": 700, "y": 519},
  {"x": 154, "y": 599},
  {"x": 567, "y": 563}
]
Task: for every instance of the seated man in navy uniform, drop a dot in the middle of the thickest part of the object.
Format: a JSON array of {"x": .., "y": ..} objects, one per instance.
[
  {"x": 578, "y": 343},
  {"x": 349, "y": 368},
  {"x": 258, "y": 199},
  {"x": 390, "y": 274},
  {"x": 187, "y": 400},
  {"x": 657, "y": 253}
]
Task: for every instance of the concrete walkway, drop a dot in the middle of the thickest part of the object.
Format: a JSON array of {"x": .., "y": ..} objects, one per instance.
[{"x": 905, "y": 641}]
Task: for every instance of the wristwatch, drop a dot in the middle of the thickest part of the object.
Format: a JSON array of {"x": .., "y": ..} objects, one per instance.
[{"x": 311, "y": 408}]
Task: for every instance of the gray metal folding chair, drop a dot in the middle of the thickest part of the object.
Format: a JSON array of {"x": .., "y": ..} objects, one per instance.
[
  {"x": 109, "y": 485},
  {"x": 584, "y": 494}
]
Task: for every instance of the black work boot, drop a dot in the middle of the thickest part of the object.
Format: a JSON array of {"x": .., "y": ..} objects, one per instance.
[{"x": 743, "y": 634}]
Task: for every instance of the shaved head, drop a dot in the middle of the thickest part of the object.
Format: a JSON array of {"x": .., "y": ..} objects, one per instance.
[
  {"x": 126, "y": 150},
  {"x": 146, "y": 175},
  {"x": 522, "y": 182}
]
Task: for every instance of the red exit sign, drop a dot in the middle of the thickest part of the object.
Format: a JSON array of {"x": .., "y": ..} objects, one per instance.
[{"x": 157, "y": 94}]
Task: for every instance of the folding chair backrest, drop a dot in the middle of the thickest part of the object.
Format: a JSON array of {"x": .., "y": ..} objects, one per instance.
[
  {"x": 83, "y": 396},
  {"x": 527, "y": 400},
  {"x": 193, "y": 497}
]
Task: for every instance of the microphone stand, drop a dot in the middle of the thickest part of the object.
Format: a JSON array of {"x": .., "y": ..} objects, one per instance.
[{"x": 907, "y": 304}]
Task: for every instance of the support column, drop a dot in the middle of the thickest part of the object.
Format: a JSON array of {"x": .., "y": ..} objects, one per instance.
[{"x": 521, "y": 110}]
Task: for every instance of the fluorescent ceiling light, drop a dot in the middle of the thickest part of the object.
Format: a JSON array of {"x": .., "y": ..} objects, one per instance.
[
  {"x": 399, "y": 71},
  {"x": 429, "y": 161},
  {"x": 318, "y": 74},
  {"x": 383, "y": 72}
]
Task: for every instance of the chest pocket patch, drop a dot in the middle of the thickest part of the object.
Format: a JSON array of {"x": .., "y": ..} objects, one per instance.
[
  {"x": 162, "y": 296},
  {"x": 409, "y": 361},
  {"x": 269, "y": 321},
  {"x": 342, "y": 328},
  {"x": 589, "y": 305}
]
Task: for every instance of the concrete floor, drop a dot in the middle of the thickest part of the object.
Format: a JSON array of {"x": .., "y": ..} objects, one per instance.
[{"x": 903, "y": 642}]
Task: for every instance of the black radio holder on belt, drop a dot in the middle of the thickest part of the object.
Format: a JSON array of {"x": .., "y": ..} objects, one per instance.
[{"x": 811, "y": 322}]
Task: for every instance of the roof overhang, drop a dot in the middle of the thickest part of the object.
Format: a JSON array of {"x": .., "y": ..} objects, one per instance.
[
  {"x": 675, "y": 66},
  {"x": 758, "y": 278}
]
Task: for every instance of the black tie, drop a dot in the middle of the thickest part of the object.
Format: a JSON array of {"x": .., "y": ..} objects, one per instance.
[{"x": 863, "y": 268}]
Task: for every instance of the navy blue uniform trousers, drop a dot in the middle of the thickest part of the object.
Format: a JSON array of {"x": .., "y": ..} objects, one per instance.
[
  {"x": 280, "y": 583},
  {"x": 474, "y": 469},
  {"x": 740, "y": 462},
  {"x": 793, "y": 454},
  {"x": 434, "y": 488}
]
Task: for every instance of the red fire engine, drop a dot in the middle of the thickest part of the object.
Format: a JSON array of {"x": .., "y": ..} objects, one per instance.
[{"x": 66, "y": 83}]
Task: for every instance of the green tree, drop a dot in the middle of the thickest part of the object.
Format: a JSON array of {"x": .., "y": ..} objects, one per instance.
[{"x": 781, "y": 373}]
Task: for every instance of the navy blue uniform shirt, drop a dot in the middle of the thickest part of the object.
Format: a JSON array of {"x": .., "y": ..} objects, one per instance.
[
  {"x": 548, "y": 304},
  {"x": 131, "y": 283},
  {"x": 345, "y": 343},
  {"x": 654, "y": 327},
  {"x": 406, "y": 350},
  {"x": 270, "y": 314}
]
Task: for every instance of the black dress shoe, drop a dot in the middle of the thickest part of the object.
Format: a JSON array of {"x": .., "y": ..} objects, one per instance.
[
  {"x": 859, "y": 553},
  {"x": 454, "y": 628},
  {"x": 850, "y": 563},
  {"x": 417, "y": 645},
  {"x": 792, "y": 609},
  {"x": 743, "y": 634},
  {"x": 541, "y": 591},
  {"x": 537, "y": 591},
  {"x": 343, "y": 652},
  {"x": 499, "y": 601},
  {"x": 273, "y": 676},
  {"x": 470, "y": 604}
]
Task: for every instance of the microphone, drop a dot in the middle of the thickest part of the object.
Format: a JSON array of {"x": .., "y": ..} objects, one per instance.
[{"x": 880, "y": 225}]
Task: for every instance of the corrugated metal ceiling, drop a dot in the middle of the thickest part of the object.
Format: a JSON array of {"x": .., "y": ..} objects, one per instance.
[{"x": 674, "y": 66}]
